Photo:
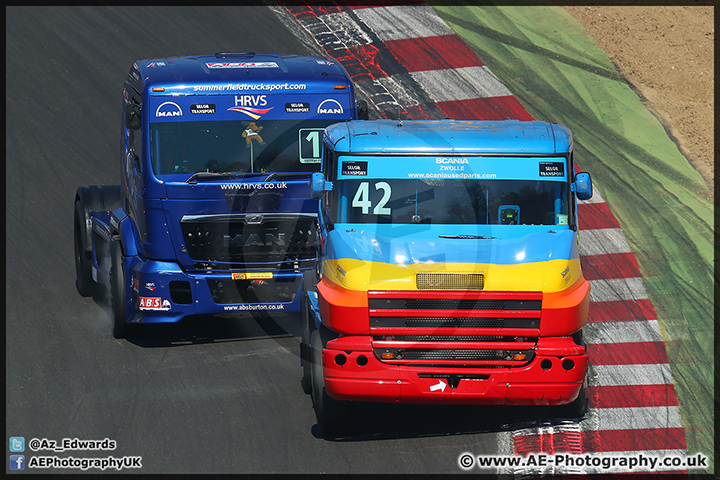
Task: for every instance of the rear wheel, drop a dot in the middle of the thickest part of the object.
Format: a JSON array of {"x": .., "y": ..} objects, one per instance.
[
  {"x": 331, "y": 414},
  {"x": 117, "y": 291}
]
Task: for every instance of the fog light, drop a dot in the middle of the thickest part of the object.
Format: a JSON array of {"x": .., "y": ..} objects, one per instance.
[
  {"x": 340, "y": 359},
  {"x": 546, "y": 364},
  {"x": 361, "y": 360},
  {"x": 568, "y": 364},
  {"x": 388, "y": 356}
]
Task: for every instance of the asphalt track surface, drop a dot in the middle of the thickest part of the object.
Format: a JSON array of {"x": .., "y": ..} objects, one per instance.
[{"x": 213, "y": 395}]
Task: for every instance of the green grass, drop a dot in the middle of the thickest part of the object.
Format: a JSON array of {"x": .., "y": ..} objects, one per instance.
[{"x": 662, "y": 203}]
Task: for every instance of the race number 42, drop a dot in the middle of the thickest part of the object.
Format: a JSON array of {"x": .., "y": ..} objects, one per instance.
[{"x": 362, "y": 201}]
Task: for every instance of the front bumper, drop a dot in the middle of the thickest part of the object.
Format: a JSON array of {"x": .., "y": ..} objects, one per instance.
[
  {"x": 160, "y": 292},
  {"x": 353, "y": 372}
]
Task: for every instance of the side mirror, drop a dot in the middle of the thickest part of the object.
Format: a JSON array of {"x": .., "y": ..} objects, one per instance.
[
  {"x": 582, "y": 186},
  {"x": 319, "y": 185},
  {"x": 133, "y": 115},
  {"x": 362, "y": 110},
  {"x": 138, "y": 163}
]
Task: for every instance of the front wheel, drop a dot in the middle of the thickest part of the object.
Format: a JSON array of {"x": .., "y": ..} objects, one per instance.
[
  {"x": 331, "y": 414},
  {"x": 574, "y": 409},
  {"x": 83, "y": 262},
  {"x": 305, "y": 354},
  {"x": 307, "y": 325},
  {"x": 578, "y": 407},
  {"x": 117, "y": 291}
]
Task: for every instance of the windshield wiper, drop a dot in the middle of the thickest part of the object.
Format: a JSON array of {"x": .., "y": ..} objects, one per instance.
[
  {"x": 217, "y": 175},
  {"x": 286, "y": 174},
  {"x": 467, "y": 237},
  {"x": 211, "y": 175}
]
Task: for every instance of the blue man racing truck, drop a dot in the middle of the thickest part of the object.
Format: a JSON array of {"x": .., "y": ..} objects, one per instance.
[
  {"x": 448, "y": 270},
  {"x": 213, "y": 213}
]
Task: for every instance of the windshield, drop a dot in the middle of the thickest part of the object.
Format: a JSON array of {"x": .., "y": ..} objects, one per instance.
[
  {"x": 239, "y": 146},
  {"x": 499, "y": 202}
]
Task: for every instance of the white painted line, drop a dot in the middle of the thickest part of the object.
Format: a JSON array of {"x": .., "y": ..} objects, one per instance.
[
  {"x": 297, "y": 26},
  {"x": 460, "y": 84},
  {"x": 388, "y": 95},
  {"x": 636, "y": 418},
  {"x": 316, "y": 27},
  {"x": 343, "y": 26},
  {"x": 657, "y": 453},
  {"x": 601, "y": 241},
  {"x": 623, "y": 332},
  {"x": 596, "y": 198},
  {"x": 402, "y": 22},
  {"x": 610, "y": 375},
  {"x": 617, "y": 289},
  {"x": 566, "y": 427},
  {"x": 403, "y": 96}
]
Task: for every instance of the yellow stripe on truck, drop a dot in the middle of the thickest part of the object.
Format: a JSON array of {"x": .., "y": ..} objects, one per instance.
[{"x": 547, "y": 277}]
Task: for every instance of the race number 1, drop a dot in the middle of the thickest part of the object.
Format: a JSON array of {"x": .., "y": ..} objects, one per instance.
[{"x": 309, "y": 142}]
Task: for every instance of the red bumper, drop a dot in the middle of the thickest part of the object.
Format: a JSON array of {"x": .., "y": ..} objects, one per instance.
[{"x": 553, "y": 377}]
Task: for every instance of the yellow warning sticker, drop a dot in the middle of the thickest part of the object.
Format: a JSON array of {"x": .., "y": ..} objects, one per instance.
[{"x": 254, "y": 275}]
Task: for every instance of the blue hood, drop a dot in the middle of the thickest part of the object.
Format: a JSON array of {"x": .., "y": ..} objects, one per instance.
[{"x": 489, "y": 244}]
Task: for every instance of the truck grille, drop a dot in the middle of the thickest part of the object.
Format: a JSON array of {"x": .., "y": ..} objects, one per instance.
[
  {"x": 446, "y": 354},
  {"x": 276, "y": 290},
  {"x": 455, "y": 329},
  {"x": 454, "y": 322},
  {"x": 250, "y": 238},
  {"x": 449, "y": 338},
  {"x": 453, "y": 304}
]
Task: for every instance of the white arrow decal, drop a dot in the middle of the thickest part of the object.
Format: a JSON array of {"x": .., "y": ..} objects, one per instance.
[{"x": 440, "y": 386}]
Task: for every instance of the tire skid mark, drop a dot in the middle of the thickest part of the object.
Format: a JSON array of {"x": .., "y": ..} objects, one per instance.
[
  {"x": 631, "y": 353},
  {"x": 618, "y": 396},
  {"x": 611, "y": 265},
  {"x": 431, "y": 53},
  {"x": 622, "y": 311},
  {"x": 645, "y": 440},
  {"x": 614, "y": 289},
  {"x": 410, "y": 64},
  {"x": 596, "y": 215},
  {"x": 624, "y": 333},
  {"x": 602, "y": 241},
  {"x": 644, "y": 374}
]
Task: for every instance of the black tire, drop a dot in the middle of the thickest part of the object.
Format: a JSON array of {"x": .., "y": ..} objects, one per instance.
[
  {"x": 578, "y": 407},
  {"x": 117, "y": 291},
  {"x": 89, "y": 199},
  {"x": 307, "y": 326},
  {"x": 84, "y": 283},
  {"x": 575, "y": 409},
  {"x": 305, "y": 354},
  {"x": 331, "y": 414}
]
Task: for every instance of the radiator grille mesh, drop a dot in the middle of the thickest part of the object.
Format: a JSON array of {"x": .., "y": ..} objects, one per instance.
[{"x": 450, "y": 281}]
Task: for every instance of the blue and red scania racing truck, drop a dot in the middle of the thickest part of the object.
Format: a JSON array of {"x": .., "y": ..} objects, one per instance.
[
  {"x": 448, "y": 270},
  {"x": 213, "y": 213}
]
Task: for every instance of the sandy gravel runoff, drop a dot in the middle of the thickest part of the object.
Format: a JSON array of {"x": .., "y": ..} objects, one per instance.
[{"x": 667, "y": 54}]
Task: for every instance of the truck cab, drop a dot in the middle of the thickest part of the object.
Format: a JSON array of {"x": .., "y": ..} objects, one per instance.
[
  {"x": 213, "y": 213},
  {"x": 448, "y": 268}
]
